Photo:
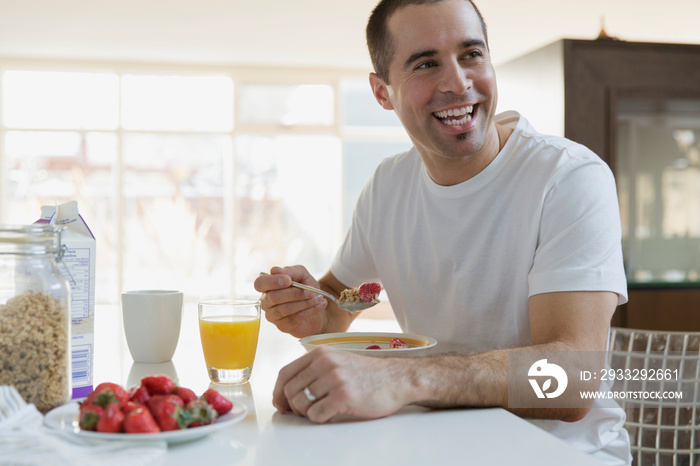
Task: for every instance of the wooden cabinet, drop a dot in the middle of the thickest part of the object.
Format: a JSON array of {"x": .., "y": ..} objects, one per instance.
[
  {"x": 664, "y": 307},
  {"x": 637, "y": 105}
]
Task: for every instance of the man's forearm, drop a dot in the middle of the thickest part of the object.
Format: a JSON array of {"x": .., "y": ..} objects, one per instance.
[{"x": 478, "y": 380}]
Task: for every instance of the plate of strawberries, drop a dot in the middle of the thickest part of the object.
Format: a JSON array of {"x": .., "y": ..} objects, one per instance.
[{"x": 156, "y": 409}]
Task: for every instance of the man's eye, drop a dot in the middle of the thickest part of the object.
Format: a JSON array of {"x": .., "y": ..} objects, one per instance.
[{"x": 424, "y": 66}]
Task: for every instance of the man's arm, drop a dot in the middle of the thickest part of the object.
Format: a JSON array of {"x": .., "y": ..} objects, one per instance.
[
  {"x": 564, "y": 321},
  {"x": 368, "y": 387}
]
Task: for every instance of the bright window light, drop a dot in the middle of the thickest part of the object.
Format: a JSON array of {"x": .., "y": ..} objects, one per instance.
[
  {"x": 286, "y": 105},
  {"x": 184, "y": 184},
  {"x": 60, "y": 100},
  {"x": 177, "y": 103}
]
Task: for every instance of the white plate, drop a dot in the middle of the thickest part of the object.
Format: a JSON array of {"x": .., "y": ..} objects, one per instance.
[
  {"x": 357, "y": 342},
  {"x": 66, "y": 418}
]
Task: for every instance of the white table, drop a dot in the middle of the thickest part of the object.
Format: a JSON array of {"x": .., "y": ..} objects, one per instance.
[{"x": 413, "y": 436}]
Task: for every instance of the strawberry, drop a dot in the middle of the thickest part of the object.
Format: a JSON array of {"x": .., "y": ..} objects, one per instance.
[
  {"x": 374, "y": 347},
  {"x": 369, "y": 291},
  {"x": 186, "y": 394},
  {"x": 90, "y": 414},
  {"x": 140, "y": 421},
  {"x": 106, "y": 393},
  {"x": 139, "y": 394},
  {"x": 169, "y": 412},
  {"x": 220, "y": 403},
  {"x": 158, "y": 384},
  {"x": 153, "y": 402},
  {"x": 130, "y": 406},
  {"x": 398, "y": 343},
  {"x": 112, "y": 420},
  {"x": 201, "y": 413}
]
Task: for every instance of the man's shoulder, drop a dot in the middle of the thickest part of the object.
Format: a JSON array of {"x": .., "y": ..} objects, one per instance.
[
  {"x": 541, "y": 146},
  {"x": 509, "y": 118},
  {"x": 399, "y": 164}
]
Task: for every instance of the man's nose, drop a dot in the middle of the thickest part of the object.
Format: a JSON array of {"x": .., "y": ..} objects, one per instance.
[{"x": 454, "y": 79}]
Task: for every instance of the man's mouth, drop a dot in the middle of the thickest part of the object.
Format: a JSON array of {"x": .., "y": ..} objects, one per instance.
[{"x": 455, "y": 116}]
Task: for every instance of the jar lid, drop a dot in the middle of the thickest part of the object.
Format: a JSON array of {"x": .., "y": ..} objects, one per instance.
[{"x": 30, "y": 239}]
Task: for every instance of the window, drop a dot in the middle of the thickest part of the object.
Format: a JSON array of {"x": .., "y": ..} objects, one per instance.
[
  {"x": 177, "y": 103},
  {"x": 370, "y": 135},
  {"x": 287, "y": 105},
  {"x": 60, "y": 100},
  {"x": 197, "y": 179}
]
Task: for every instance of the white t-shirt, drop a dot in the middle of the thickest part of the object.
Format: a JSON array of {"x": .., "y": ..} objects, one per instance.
[{"x": 459, "y": 263}]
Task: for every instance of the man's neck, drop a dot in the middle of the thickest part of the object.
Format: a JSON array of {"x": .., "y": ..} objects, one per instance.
[{"x": 453, "y": 172}]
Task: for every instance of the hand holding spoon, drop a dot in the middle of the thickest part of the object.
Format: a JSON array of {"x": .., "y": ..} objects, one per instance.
[{"x": 346, "y": 306}]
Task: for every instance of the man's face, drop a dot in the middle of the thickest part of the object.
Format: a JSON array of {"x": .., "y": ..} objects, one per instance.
[{"x": 442, "y": 83}]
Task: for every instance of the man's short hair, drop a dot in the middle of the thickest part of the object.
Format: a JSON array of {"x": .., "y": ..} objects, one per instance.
[{"x": 379, "y": 41}]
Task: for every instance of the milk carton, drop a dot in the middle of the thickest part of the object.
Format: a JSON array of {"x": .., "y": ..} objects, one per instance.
[{"x": 78, "y": 267}]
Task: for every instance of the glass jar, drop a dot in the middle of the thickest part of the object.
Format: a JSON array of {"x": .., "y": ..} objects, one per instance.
[{"x": 34, "y": 316}]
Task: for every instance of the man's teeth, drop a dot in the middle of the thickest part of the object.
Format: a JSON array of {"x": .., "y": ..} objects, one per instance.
[
  {"x": 466, "y": 111},
  {"x": 462, "y": 121}
]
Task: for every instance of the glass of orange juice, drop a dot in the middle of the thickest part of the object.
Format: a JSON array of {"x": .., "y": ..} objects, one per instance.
[{"x": 229, "y": 331}]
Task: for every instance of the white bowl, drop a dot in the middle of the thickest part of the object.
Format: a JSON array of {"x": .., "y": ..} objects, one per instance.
[{"x": 357, "y": 342}]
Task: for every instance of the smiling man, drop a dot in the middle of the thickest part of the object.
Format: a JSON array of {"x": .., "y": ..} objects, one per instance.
[
  {"x": 487, "y": 235},
  {"x": 442, "y": 85}
]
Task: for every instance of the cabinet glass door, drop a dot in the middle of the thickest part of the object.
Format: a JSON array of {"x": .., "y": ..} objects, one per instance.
[{"x": 658, "y": 180}]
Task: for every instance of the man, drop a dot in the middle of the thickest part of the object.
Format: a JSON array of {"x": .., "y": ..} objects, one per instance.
[{"x": 486, "y": 235}]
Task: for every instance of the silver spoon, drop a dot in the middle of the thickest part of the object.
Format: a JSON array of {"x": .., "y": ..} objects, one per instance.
[{"x": 349, "y": 307}]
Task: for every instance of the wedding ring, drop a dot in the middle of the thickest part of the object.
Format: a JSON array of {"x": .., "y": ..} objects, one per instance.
[{"x": 309, "y": 396}]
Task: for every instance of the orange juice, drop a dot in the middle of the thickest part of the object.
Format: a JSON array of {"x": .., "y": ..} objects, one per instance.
[{"x": 229, "y": 342}]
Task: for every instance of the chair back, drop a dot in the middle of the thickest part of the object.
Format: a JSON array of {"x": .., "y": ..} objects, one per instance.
[{"x": 659, "y": 372}]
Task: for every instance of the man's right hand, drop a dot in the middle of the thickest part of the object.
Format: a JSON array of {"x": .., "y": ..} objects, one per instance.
[{"x": 294, "y": 311}]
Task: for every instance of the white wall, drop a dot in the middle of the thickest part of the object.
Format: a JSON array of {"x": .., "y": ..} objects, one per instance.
[{"x": 303, "y": 32}]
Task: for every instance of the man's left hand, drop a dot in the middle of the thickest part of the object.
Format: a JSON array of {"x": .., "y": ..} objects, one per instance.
[{"x": 343, "y": 384}]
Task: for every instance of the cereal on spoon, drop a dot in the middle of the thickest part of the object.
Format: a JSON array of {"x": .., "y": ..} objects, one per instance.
[{"x": 367, "y": 292}]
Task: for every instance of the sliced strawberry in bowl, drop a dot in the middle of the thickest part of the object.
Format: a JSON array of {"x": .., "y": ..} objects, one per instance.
[{"x": 398, "y": 343}]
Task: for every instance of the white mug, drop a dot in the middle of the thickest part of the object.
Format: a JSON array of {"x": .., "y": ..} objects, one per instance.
[{"x": 152, "y": 321}]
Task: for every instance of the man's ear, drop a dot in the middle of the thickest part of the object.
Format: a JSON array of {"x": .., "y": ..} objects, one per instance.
[{"x": 380, "y": 89}]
